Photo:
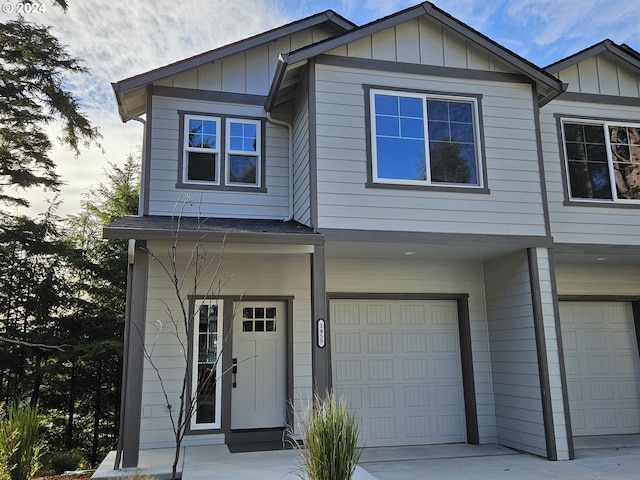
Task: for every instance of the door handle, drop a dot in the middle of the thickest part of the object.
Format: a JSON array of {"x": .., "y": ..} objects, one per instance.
[{"x": 234, "y": 372}]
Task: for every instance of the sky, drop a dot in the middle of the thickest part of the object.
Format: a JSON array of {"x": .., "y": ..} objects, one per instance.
[{"x": 120, "y": 38}]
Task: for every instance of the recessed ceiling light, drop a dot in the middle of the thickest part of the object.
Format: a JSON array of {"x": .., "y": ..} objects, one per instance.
[
  {"x": 600, "y": 259},
  {"x": 409, "y": 253}
]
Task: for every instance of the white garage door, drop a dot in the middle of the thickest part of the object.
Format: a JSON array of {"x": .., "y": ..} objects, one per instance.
[
  {"x": 398, "y": 365},
  {"x": 602, "y": 366}
]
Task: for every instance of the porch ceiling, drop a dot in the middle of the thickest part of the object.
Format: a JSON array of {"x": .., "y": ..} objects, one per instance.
[{"x": 415, "y": 251}]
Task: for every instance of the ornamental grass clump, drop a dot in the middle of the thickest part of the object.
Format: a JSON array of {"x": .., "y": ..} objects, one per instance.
[
  {"x": 330, "y": 441},
  {"x": 20, "y": 443}
]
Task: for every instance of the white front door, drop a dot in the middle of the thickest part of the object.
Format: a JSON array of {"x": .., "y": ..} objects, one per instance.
[{"x": 259, "y": 375}]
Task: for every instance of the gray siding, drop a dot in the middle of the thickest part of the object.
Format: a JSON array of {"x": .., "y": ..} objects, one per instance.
[
  {"x": 514, "y": 204},
  {"x": 584, "y": 222},
  {"x": 421, "y": 40},
  {"x": 247, "y": 72},
  {"x": 601, "y": 75},
  {"x": 253, "y": 271},
  {"x": 514, "y": 358},
  {"x": 373, "y": 275},
  {"x": 165, "y": 198},
  {"x": 301, "y": 157},
  {"x": 598, "y": 280}
]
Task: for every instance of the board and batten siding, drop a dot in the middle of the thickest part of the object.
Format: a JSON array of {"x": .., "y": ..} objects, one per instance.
[
  {"x": 243, "y": 275},
  {"x": 514, "y": 356},
  {"x": 583, "y": 222},
  {"x": 301, "y": 166},
  {"x": 399, "y": 276},
  {"x": 165, "y": 197},
  {"x": 601, "y": 76},
  {"x": 421, "y": 40},
  {"x": 514, "y": 204},
  {"x": 248, "y": 72}
]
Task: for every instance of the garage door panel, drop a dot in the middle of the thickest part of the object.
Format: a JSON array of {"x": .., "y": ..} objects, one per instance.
[
  {"x": 403, "y": 383},
  {"x": 602, "y": 367}
]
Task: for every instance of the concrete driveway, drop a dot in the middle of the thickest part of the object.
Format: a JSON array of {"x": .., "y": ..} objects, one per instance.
[{"x": 598, "y": 458}]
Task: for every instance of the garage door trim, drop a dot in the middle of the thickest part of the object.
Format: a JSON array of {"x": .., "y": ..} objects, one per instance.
[{"x": 464, "y": 330}]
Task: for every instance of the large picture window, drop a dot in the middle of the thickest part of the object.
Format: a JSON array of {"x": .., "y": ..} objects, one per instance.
[
  {"x": 425, "y": 139},
  {"x": 602, "y": 160},
  {"x": 221, "y": 151},
  {"x": 206, "y": 378}
]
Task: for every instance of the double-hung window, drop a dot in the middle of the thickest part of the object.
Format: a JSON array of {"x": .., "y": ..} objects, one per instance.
[
  {"x": 602, "y": 160},
  {"x": 202, "y": 150},
  {"x": 221, "y": 151},
  {"x": 425, "y": 139},
  {"x": 243, "y": 152}
]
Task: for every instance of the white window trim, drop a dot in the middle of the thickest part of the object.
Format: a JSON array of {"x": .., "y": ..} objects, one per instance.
[
  {"x": 607, "y": 140},
  {"x": 426, "y": 96},
  {"x": 187, "y": 149},
  {"x": 257, "y": 154},
  {"x": 194, "y": 367}
]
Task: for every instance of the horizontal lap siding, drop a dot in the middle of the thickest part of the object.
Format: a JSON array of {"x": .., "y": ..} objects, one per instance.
[
  {"x": 514, "y": 358},
  {"x": 587, "y": 223},
  {"x": 514, "y": 205},
  {"x": 165, "y": 197},
  {"x": 422, "y": 277},
  {"x": 246, "y": 275},
  {"x": 598, "y": 280}
]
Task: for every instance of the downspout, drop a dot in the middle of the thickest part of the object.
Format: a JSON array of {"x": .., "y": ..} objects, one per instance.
[
  {"x": 125, "y": 351},
  {"x": 289, "y": 127}
]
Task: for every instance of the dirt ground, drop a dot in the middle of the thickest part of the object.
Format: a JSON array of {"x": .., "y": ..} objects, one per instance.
[{"x": 77, "y": 476}]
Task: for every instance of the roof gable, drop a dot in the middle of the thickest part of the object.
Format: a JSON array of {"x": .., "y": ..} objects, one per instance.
[
  {"x": 134, "y": 86},
  {"x": 604, "y": 69},
  {"x": 548, "y": 86}
]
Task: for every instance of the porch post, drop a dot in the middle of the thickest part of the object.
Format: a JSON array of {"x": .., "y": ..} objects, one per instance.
[
  {"x": 320, "y": 366},
  {"x": 133, "y": 360}
]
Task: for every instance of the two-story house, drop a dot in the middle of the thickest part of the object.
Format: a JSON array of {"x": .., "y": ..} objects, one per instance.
[{"x": 392, "y": 211}]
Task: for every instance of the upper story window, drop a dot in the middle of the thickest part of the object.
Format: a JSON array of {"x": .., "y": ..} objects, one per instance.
[
  {"x": 425, "y": 139},
  {"x": 222, "y": 152},
  {"x": 602, "y": 160}
]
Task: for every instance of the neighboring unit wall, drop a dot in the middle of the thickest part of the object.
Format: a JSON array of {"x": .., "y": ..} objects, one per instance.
[
  {"x": 371, "y": 276},
  {"x": 301, "y": 157},
  {"x": 165, "y": 198},
  {"x": 598, "y": 280},
  {"x": 514, "y": 357},
  {"x": 584, "y": 222},
  {"x": 512, "y": 202},
  {"x": 242, "y": 275},
  {"x": 601, "y": 76}
]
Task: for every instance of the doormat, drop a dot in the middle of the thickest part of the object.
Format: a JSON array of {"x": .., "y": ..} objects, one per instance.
[{"x": 258, "y": 446}]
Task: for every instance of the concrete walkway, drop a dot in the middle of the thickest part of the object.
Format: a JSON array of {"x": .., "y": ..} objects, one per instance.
[{"x": 597, "y": 458}]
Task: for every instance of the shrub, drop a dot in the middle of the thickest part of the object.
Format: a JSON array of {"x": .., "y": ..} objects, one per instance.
[
  {"x": 21, "y": 442},
  {"x": 8, "y": 440},
  {"x": 330, "y": 441},
  {"x": 60, "y": 462}
]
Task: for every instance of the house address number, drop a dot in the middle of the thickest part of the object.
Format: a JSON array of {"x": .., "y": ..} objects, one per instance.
[{"x": 321, "y": 333}]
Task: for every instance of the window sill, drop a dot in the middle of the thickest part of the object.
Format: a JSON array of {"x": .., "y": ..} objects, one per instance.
[
  {"x": 429, "y": 188},
  {"x": 600, "y": 203},
  {"x": 220, "y": 188}
]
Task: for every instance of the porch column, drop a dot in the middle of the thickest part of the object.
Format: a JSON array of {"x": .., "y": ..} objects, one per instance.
[
  {"x": 320, "y": 366},
  {"x": 133, "y": 359}
]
